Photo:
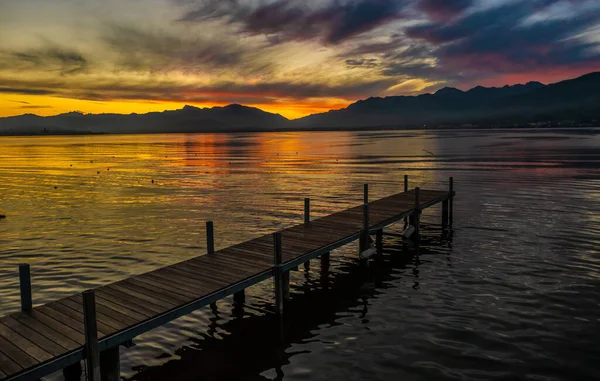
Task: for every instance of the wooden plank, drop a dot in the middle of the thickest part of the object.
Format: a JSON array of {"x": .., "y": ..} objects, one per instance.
[
  {"x": 222, "y": 269},
  {"x": 158, "y": 292},
  {"x": 16, "y": 354},
  {"x": 171, "y": 273},
  {"x": 9, "y": 366},
  {"x": 58, "y": 337},
  {"x": 172, "y": 288},
  {"x": 37, "y": 353},
  {"x": 106, "y": 324},
  {"x": 118, "y": 296},
  {"x": 180, "y": 283},
  {"x": 141, "y": 296},
  {"x": 42, "y": 341},
  {"x": 198, "y": 278},
  {"x": 58, "y": 326},
  {"x": 107, "y": 296},
  {"x": 60, "y": 317}
]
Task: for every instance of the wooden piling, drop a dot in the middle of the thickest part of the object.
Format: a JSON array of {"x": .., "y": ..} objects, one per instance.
[
  {"x": 366, "y": 194},
  {"x": 416, "y": 215},
  {"x": 450, "y": 202},
  {"x": 110, "y": 364},
  {"x": 406, "y": 190},
  {"x": 444, "y": 214},
  {"x": 306, "y": 211},
  {"x": 92, "y": 355},
  {"x": 278, "y": 274},
  {"x": 25, "y": 286},
  {"x": 72, "y": 372},
  {"x": 286, "y": 286},
  {"x": 210, "y": 237}
]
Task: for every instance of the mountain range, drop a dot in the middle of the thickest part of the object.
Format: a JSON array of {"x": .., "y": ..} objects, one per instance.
[{"x": 574, "y": 101}]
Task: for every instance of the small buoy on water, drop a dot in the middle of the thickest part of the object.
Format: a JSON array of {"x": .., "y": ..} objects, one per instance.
[
  {"x": 91, "y": 161},
  {"x": 152, "y": 181},
  {"x": 55, "y": 187},
  {"x": 98, "y": 172},
  {"x": 2, "y": 216},
  {"x": 71, "y": 165}
]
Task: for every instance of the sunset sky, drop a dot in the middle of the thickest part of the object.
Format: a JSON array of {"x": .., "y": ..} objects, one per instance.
[{"x": 290, "y": 57}]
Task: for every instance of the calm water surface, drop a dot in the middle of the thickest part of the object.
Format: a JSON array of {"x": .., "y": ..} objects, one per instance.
[{"x": 512, "y": 293}]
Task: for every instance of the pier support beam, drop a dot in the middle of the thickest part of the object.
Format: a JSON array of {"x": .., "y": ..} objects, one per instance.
[
  {"x": 363, "y": 241},
  {"x": 445, "y": 214},
  {"x": 92, "y": 355},
  {"x": 306, "y": 222},
  {"x": 110, "y": 364},
  {"x": 73, "y": 372},
  {"x": 286, "y": 286},
  {"x": 406, "y": 190},
  {"x": 278, "y": 274},
  {"x": 379, "y": 241},
  {"x": 25, "y": 286},
  {"x": 415, "y": 217},
  {"x": 450, "y": 202}
]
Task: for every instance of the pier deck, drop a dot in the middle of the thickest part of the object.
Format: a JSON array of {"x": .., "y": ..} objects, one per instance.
[{"x": 50, "y": 337}]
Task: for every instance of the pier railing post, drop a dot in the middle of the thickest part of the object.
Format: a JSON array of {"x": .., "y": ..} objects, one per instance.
[
  {"x": 366, "y": 194},
  {"x": 307, "y": 211},
  {"x": 25, "y": 286},
  {"x": 406, "y": 183},
  {"x": 450, "y": 201},
  {"x": 210, "y": 237},
  {"x": 92, "y": 356},
  {"x": 278, "y": 273}
]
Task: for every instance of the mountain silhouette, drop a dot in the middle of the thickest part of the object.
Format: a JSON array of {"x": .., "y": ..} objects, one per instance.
[
  {"x": 570, "y": 102},
  {"x": 576, "y": 99}
]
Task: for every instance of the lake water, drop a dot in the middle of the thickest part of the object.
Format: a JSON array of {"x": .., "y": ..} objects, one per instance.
[{"x": 513, "y": 293}]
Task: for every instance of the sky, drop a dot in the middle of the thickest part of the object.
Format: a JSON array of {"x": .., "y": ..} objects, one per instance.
[{"x": 289, "y": 57}]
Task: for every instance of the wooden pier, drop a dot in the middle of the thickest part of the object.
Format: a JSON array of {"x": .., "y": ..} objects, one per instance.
[{"x": 91, "y": 326}]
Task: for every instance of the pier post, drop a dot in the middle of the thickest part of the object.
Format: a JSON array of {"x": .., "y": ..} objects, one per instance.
[
  {"x": 92, "y": 356},
  {"x": 450, "y": 202},
  {"x": 363, "y": 241},
  {"x": 366, "y": 194},
  {"x": 444, "y": 214},
  {"x": 286, "y": 286},
  {"x": 406, "y": 190},
  {"x": 306, "y": 211},
  {"x": 278, "y": 274},
  {"x": 306, "y": 222},
  {"x": 416, "y": 215},
  {"x": 110, "y": 364},
  {"x": 210, "y": 237},
  {"x": 72, "y": 372},
  {"x": 25, "y": 286}
]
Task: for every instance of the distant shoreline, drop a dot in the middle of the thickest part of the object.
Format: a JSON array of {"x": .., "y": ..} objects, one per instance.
[{"x": 318, "y": 129}]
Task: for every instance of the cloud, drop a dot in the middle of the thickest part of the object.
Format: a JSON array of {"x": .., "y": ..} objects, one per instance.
[
  {"x": 24, "y": 90},
  {"x": 65, "y": 61},
  {"x": 286, "y": 20},
  {"x": 443, "y": 10},
  {"x": 154, "y": 50}
]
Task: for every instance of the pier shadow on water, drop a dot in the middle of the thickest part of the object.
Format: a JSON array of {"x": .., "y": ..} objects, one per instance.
[{"x": 258, "y": 347}]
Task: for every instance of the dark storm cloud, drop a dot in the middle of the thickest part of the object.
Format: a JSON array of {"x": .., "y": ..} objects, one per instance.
[
  {"x": 53, "y": 58},
  {"x": 442, "y": 10},
  {"x": 24, "y": 91},
  {"x": 156, "y": 50},
  {"x": 286, "y": 20},
  {"x": 501, "y": 40}
]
